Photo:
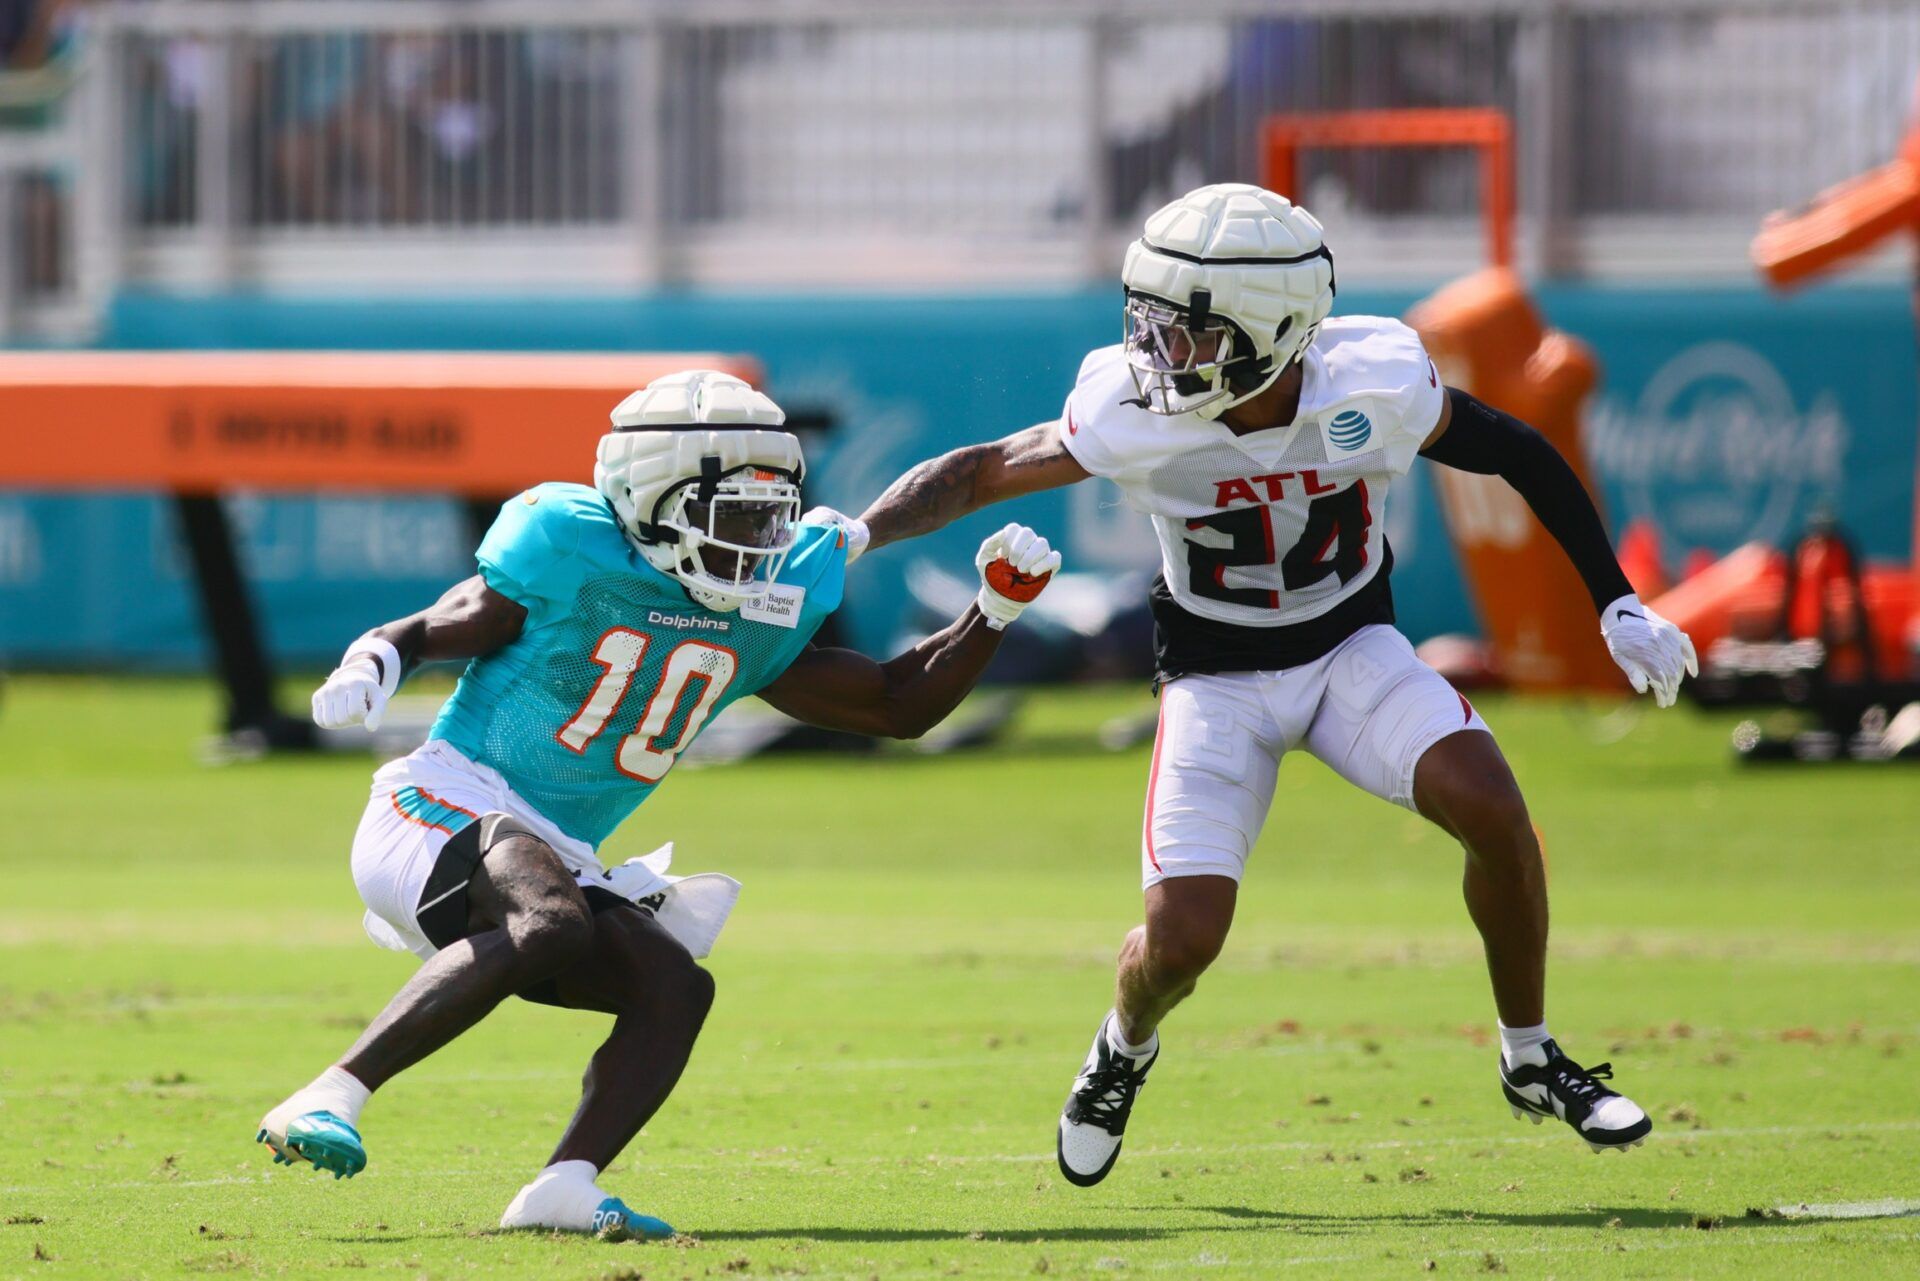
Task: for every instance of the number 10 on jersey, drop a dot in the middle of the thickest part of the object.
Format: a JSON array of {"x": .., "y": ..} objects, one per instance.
[{"x": 641, "y": 755}]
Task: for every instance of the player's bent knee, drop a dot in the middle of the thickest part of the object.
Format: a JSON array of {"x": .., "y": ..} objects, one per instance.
[
  {"x": 1187, "y": 922},
  {"x": 1179, "y": 953},
  {"x": 682, "y": 986},
  {"x": 1463, "y": 784},
  {"x": 698, "y": 990},
  {"x": 1491, "y": 821},
  {"x": 661, "y": 976}
]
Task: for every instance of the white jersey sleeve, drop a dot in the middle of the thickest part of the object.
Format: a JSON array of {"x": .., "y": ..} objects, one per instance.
[{"x": 1095, "y": 426}]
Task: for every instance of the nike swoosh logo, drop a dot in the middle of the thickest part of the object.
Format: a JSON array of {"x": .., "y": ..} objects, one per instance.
[
  {"x": 1073, "y": 428},
  {"x": 1542, "y": 1095},
  {"x": 1433, "y": 375},
  {"x": 1627, "y": 613}
]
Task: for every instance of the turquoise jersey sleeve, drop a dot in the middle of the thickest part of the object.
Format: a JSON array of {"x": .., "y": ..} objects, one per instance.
[
  {"x": 819, "y": 564},
  {"x": 530, "y": 555}
]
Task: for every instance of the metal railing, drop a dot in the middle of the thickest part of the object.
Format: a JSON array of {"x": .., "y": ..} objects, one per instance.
[{"x": 838, "y": 142}]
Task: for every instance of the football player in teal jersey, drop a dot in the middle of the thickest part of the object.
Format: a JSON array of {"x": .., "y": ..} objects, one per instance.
[{"x": 605, "y": 628}]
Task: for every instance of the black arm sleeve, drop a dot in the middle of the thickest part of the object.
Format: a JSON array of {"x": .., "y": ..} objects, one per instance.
[{"x": 1482, "y": 439}]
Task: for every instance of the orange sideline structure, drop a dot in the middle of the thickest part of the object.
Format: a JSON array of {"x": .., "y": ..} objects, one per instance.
[
  {"x": 1842, "y": 222},
  {"x": 481, "y": 425},
  {"x": 1485, "y": 129},
  {"x": 1486, "y": 337},
  {"x": 1742, "y": 596},
  {"x": 1796, "y": 246}
]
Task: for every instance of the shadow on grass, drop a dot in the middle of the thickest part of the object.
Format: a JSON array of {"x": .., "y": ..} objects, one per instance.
[
  {"x": 1249, "y": 1219},
  {"x": 880, "y": 1236}
]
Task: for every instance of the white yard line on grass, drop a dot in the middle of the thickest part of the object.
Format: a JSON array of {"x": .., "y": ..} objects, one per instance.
[
  {"x": 1853, "y": 1210},
  {"x": 1633, "y": 1245}
]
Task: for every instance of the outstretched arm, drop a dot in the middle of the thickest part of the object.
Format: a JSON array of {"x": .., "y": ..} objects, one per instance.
[
  {"x": 908, "y": 695},
  {"x": 1473, "y": 436},
  {"x": 901, "y": 698},
  {"x": 941, "y": 490},
  {"x": 471, "y": 619}
]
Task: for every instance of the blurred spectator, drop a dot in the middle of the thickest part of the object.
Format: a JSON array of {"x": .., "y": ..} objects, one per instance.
[
  {"x": 28, "y": 33},
  {"x": 444, "y": 93},
  {"x": 1315, "y": 65},
  {"x": 169, "y": 86},
  {"x": 319, "y": 126},
  {"x": 34, "y": 36}
]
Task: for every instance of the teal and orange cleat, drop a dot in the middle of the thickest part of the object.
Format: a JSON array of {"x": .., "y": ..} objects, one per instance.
[
  {"x": 613, "y": 1221},
  {"x": 564, "y": 1198},
  {"x": 321, "y": 1139}
]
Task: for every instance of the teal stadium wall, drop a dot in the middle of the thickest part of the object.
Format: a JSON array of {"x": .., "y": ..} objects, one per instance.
[{"x": 1725, "y": 414}]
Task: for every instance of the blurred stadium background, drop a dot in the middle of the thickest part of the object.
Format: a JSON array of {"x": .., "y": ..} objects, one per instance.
[
  {"x": 234, "y": 234},
  {"x": 910, "y": 216}
]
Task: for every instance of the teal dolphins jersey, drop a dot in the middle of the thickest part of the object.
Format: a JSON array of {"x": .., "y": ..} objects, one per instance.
[{"x": 617, "y": 669}]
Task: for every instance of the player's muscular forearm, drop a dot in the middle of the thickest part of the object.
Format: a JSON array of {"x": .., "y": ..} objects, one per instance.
[
  {"x": 470, "y": 620},
  {"x": 901, "y": 698},
  {"x": 941, "y": 490}
]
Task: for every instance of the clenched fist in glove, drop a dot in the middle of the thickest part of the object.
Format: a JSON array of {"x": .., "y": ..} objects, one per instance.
[
  {"x": 357, "y": 691},
  {"x": 1651, "y": 651},
  {"x": 1014, "y": 566}
]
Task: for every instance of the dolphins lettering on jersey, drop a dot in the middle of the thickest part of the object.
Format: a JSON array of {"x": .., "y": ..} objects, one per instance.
[
  {"x": 699, "y": 622},
  {"x": 1228, "y": 492}
]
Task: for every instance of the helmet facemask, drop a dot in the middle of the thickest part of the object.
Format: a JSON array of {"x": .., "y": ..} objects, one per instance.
[
  {"x": 1190, "y": 359},
  {"x": 731, "y": 532}
]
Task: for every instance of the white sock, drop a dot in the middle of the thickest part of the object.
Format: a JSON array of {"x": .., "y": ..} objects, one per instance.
[
  {"x": 1523, "y": 1044},
  {"x": 338, "y": 1091},
  {"x": 564, "y": 1195},
  {"x": 571, "y": 1171},
  {"x": 1117, "y": 1041}
]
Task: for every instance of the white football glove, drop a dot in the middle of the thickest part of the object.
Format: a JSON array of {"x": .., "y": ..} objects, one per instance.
[
  {"x": 357, "y": 691},
  {"x": 858, "y": 535},
  {"x": 1014, "y": 566},
  {"x": 1651, "y": 651}
]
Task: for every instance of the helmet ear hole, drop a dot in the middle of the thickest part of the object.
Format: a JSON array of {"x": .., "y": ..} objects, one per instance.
[{"x": 1286, "y": 323}]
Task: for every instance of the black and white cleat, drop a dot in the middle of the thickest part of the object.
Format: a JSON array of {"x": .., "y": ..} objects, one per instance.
[
  {"x": 1095, "y": 1115},
  {"x": 1562, "y": 1089}
]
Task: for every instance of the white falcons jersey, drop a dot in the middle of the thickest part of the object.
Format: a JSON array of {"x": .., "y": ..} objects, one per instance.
[{"x": 1278, "y": 526}]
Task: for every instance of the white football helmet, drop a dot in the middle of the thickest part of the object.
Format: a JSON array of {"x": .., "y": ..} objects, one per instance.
[
  {"x": 1224, "y": 291},
  {"x": 703, "y": 485}
]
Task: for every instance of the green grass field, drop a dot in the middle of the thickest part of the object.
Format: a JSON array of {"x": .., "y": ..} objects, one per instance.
[{"x": 907, "y": 989}]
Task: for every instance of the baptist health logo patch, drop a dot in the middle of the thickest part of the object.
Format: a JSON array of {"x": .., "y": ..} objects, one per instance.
[{"x": 1349, "y": 429}]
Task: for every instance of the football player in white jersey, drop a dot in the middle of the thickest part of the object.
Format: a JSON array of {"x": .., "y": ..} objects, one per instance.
[{"x": 1263, "y": 436}]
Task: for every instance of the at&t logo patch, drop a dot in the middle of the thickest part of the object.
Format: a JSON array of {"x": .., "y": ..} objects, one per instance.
[{"x": 1349, "y": 430}]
